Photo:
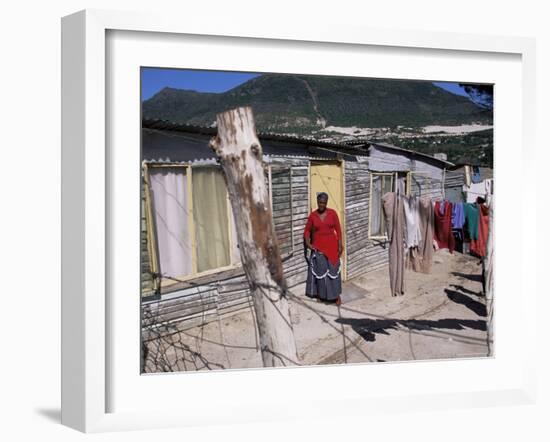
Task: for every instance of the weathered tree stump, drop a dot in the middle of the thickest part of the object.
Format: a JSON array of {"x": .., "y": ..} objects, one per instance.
[
  {"x": 240, "y": 155},
  {"x": 488, "y": 277}
]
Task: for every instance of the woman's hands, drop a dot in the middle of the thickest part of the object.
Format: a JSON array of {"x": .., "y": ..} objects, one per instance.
[{"x": 340, "y": 249}]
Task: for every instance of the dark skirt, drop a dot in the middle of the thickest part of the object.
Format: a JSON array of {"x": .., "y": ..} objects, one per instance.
[{"x": 323, "y": 278}]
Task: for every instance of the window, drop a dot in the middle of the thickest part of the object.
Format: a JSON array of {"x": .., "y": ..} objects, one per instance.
[
  {"x": 192, "y": 221},
  {"x": 211, "y": 219},
  {"x": 409, "y": 183},
  {"x": 380, "y": 184}
]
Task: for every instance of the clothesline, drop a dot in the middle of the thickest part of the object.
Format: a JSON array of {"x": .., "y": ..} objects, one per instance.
[{"x": 410, "y": 221}]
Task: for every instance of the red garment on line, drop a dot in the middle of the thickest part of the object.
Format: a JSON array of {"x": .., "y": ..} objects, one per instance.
[
  {"x": 479, "y": 246},
  {"x": 326, "y": 233},
  {"x": 443, "y": 230}
]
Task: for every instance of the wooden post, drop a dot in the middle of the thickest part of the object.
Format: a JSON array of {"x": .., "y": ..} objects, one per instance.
[
  {"x": 488, "y": 276},
  {"x": 240, "y": 155}
]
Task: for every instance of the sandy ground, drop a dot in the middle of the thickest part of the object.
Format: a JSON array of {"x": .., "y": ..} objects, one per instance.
[
  {"x": 442, "y": 315},
  {"x": 463, "y": 129},
  {"x": 352, "y": 130},
  {"x": 366, "y": 131}
]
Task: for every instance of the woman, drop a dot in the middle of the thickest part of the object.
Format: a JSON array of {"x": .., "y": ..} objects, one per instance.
[{"x": 323, "y": 237}]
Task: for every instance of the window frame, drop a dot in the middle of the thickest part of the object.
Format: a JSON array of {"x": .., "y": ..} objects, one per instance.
[
  {"x": 270, "y": 168},
  {"x": 393, "y": 176},
  {"x": 162, "y": 282}
]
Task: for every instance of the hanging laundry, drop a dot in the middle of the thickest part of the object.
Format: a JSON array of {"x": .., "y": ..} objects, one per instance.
[
  {"x": 459, "y": 240},
  {"x": 467, "y": 176},
  {"x": 443, "y": 230},
  {"x": 458, "y": 219},
  {"x": 412, "y": 236},
  {"x": 442, "y": 207},
  {"x": 471, "y": 214},
  {"x": 395, "y": 226},
  {"x": 476, "y": 175},
  {"x": 478, "y": 246},
  {"x": 410, "y": 204},
  {"x": 422, "y": 262}
]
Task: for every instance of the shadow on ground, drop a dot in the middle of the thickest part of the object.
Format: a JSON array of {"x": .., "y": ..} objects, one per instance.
[
  {"x": 477, "y": 307},
  {"x": 369, "y": 328},
  {"x": 463, "y": 289},
  {"x": 474, "y": 277}
]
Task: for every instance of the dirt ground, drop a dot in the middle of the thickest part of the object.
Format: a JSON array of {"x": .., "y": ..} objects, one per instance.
[{"x": 442, "y": 315}]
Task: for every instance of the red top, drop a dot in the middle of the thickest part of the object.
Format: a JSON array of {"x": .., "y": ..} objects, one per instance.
[
  {"x": 326, "y": 233},
  {"x": 443, "y": 231}
]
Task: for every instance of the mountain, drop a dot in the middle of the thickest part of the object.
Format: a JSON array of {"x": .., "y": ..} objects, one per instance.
[{"x": 304, "y": 104}]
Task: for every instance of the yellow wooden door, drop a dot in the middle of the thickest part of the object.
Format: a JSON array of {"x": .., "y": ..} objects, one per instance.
[{"x": 328, "y": 178}]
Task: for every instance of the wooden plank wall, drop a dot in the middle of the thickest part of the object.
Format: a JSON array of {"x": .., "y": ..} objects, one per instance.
[
  {"x": 295, "y": 266},
  {"x": 454, "y": 178},
  {"x": 364, "y": 255},
  {"x": 199, "y": 305},
  {"x": 147, "y": 287},
  {"x": 357, "y": 179},
  {"x": 281, "y": 206},
  {"x": 454, "y": 182},
  {"x": 429, "y": 187},
  {"x": 202, "y": 304}
]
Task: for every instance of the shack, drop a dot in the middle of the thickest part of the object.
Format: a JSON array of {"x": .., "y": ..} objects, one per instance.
[
  {"x": 467, "y": 180},
  {"x": 191, "y": 269}
]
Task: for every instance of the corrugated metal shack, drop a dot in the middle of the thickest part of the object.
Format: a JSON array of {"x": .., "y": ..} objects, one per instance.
[
  {"x": 460, "y": 185},
  {"x": 354, "y": 176},
  {"x": 389, "y": 167}
]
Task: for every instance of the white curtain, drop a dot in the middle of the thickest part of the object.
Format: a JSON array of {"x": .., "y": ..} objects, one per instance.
[
  {"x": 171, "y": 211},
  {"x": 400, "y": 185},
  {"x": 376, "y": 209}
]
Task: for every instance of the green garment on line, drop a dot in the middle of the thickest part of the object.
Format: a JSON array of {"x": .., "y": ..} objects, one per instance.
[{"x": 471, "y": 213}]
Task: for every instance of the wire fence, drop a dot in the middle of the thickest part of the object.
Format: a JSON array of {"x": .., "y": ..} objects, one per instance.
[
  {"x": 217, "y": 340},
  {"x": 173, "y": 347}
]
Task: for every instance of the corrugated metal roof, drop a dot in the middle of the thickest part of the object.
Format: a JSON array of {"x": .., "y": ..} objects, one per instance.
[
  {"x": 214, "y": 161},
  {"x": 485, "y": 172},
  {"x": 159, "y": 145},
  {"x": 467, "y": 161},
  {"x": 357, "y": 148},
  {"x": 306, "y": 141},
  {"x": 412, "y": 152}
]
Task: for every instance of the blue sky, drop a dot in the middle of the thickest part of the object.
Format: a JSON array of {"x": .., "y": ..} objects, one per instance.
[
  {"x": 451, "y": 87},
  {"x": 154, "y": 79}
]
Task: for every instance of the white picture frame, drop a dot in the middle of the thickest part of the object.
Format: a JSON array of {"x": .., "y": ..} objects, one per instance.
[{"x": 87, "y": 314}]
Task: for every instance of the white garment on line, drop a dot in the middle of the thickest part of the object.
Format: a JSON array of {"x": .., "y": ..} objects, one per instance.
[{"x": 412, "y": 221}]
